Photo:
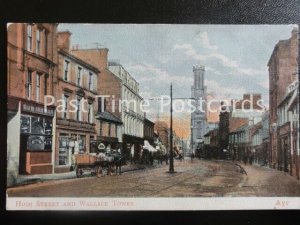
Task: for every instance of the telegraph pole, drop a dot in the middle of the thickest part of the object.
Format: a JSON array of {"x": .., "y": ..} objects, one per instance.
[{"x": 171, "y": 167}]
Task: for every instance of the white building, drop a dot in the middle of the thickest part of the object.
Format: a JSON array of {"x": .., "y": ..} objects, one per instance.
[{"x": 132, "y": 115}]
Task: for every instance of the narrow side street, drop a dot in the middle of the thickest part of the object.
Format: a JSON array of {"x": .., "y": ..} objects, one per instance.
[{"x": 198, "y": 179}]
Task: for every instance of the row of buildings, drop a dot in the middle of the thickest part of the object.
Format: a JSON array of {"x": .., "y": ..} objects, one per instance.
[
  {"x": 266, "y": 137},
  {"x": 44, "y": 132}
]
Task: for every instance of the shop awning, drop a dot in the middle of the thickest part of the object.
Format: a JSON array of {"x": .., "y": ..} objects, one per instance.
[{"x": 149, "y": 147}]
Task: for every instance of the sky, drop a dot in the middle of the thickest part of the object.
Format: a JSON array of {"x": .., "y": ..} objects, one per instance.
[{"x": 235, "y": 56}]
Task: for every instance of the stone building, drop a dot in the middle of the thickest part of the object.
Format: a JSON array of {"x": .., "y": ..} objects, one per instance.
[
  {"x": 283, "y": 70},
  {"x": 288, "y": 131},
  {"x": 119, "y": 87},
  {"x": 131, "y": 111},
  {"x": 149, "y": 131},
  {"x": 75, "y": 84},
  {"x": 198, "y": 118},
  {"x": 31, "y": 67}
]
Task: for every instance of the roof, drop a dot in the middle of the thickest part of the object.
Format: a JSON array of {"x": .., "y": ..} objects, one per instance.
[
  {"x": 78, "y": 60},
  {"x": 107, "y": 116},
  {"x": 255, "y": 128},
  {"x": 237, "y": 122}
]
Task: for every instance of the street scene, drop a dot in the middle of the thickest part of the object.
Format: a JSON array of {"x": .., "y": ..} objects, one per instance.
[
  {"x": 192, "y": 179},
  {"x": 132, "y": 110}
]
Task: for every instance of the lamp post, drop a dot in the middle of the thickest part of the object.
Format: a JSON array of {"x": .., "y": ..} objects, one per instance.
[{"x": 171, "y": 166}]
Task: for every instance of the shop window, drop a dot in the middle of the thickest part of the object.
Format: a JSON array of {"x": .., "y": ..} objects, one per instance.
[
  {"x": 63, "y": 154},
  {"x": 93, "y": 145},
  {"x": 81, "y": 143},
  {"x": 40, "y": 132}
]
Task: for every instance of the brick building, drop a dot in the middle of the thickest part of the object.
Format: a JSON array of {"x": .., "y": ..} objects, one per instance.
[
  {"x": 283, "y": 70},
  {"x": 31, "y": 67},
  {"x": 76, "y": 82},
  {"x": 162, "y": 130},
  {"x": 119, "y": 86},
  {"x": 238, "y": 137},
  {"x": 224, "y": 129},
  {"x": 288, "y": 131}
]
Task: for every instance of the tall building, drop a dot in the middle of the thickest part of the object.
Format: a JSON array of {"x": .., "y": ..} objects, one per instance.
[
  {"x": 76, "y": 81},
  {"x": 283, "y": 70},
  {"x": 198, "y": 117},
  {"x": 31, "y": 67}
]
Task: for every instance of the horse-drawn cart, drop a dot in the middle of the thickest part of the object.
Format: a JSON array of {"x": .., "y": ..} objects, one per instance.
[{"x": 98, "y": 165}]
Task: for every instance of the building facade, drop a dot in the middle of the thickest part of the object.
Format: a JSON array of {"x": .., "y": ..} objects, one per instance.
[
  {"x": 131, "y": 111},
  {"x": 149, "y": 131},
  {"x": 31, "y": 66},
  {"x": 198, "y": 118},
  {"x": 283, "y": 70},
  {"x": 109, "y": 124},
  {"x": 75, "y": 84}
]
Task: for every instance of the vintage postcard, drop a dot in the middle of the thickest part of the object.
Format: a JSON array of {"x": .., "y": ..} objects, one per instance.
[{"x": 152, "y": 117}]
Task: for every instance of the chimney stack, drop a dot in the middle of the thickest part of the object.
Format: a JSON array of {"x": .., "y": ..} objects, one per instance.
[{"x": 63, "y": 40}]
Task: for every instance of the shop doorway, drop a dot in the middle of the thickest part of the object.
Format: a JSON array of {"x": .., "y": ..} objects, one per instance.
[{"x": 22, "y": 156}]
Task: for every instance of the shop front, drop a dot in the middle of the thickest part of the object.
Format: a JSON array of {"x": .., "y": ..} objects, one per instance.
[
  {"x": 35, "y": 136},
  {"x": 132, "y": 146},
  {"x": 73, "y": 138}
]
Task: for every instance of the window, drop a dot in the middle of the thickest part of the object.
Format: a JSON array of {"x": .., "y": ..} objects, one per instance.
[
  {"x": 101, "y": 105},
  {"x": 45, "y": 84},
  {"x": 63, "y": 157},
  {"x": 78, "y": 112},
  {"x": 29, "y": 37},
  {"x": 90, "y": 113},
  {"x": 29, "y": 84},
  {"x": 66, "y": 69},
  {"x": 79, "y": 76},
  {"x": 46, "y": 43},
  {"x": 90, "y": 80},
  {"x": 116, "y": 130},
  {"x": 81, "y": 143},
  {"x": 65, "y": 112},
  {"x": 37, "y": 88},
  {"x": 101, "y": 128},
  {"x": 38, "y": 41},
  {"x": 109, "y": 129}
]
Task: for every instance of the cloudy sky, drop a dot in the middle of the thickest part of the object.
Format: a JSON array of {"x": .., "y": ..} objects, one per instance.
[{"x": 235, "y": 56}]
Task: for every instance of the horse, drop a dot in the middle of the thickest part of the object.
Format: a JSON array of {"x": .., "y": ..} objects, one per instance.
[{"x": 109, "y": 161}]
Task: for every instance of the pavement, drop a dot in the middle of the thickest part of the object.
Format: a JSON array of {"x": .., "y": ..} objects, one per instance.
[{"x": 31, "y": 179}]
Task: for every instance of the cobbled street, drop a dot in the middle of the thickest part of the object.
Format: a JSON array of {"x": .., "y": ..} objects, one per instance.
[{"x": 199, "y": 178}]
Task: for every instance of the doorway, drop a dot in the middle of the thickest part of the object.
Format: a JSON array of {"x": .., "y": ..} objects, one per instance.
[{"x": 22, "y": 156}]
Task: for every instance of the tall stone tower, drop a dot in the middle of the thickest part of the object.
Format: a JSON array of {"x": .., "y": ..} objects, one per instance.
[{"x": 198, "y": 117}]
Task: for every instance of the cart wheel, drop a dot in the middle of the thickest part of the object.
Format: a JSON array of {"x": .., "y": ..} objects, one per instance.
[
  {"x": 98, "y": 171},
  {"x": 79, "y": 172}
]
